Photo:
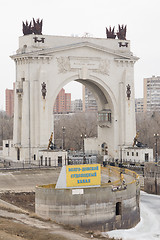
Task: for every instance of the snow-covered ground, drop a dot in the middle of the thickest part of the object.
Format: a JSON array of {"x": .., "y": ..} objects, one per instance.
[{"x": 149, "y": 226}]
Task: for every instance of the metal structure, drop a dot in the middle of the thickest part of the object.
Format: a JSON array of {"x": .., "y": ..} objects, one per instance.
[{"x": 50, "y": 144}]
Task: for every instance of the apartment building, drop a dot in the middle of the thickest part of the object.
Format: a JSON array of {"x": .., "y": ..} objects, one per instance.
[
  {"x": 89, "y": 101},
  {"x": 152, "y": 94},
  {"x": 9, "y": 95},
  {"x": 139, "y": 105},
  {"x": 63, "y": 102}
]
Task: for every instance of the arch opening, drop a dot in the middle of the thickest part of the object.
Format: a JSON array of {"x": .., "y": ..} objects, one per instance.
[
  {"x": 71, "y": 127},
  {"x": 100, "y": 121}
]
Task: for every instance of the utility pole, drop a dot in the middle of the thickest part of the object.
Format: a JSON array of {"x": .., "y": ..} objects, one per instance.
[
  {"x": 63, "y": 137},
  {"x": 156, "y": 136},
  {"x": 83, "y": 136}
]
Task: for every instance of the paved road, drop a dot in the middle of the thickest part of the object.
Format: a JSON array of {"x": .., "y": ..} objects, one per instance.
[
  {"x": 149, "y": 226},
  {"x": 26, "y": 180}
]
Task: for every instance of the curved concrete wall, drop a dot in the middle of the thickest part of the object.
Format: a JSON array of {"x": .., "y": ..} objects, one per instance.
[{"x": 100, "y": 208}]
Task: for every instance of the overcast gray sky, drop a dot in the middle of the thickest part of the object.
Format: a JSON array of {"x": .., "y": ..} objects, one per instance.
[{"x": 75, "y": 17}]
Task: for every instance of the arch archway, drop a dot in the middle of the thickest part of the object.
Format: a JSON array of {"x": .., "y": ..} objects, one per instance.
[
  {"x": 102, "y": 65},
  {"x": 107, "y": 111}
]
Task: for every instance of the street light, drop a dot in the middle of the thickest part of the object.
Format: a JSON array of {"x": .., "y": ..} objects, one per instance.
[
  {"x": 156, "y": 136},
  {"x": 83, "y": 136},
  {"x": 63, "y": 137}
]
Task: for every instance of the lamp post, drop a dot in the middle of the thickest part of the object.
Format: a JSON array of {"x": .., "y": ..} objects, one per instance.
[
  {"x": 156, "y": 136},
  {"x": 2, "y": 127},
  {"x": 63, "y": 137},
  {"x": 83, "y": 136}
]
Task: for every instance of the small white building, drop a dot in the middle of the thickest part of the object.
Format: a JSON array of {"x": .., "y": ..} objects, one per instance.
[
  {"x": 137, "y": 154},
  {"x": 43, "y": 157},
  {"x": 53, "y": 158}
]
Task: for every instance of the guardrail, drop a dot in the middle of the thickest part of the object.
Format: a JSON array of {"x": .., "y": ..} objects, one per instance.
[
  {"x": 48, "y": 186},
  {"x": 119, "y": 172},
  {"x": 119, "y": 184}
]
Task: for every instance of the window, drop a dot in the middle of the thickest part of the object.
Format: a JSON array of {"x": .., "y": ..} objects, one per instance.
[
  {"x": 118, "y": 208},
  {"x": 59, "y": 161},
  {"x": 18, "y": 154},
  {"x": 34, "y": 156},
  {"x": 45, "y": 161},
  {"x": 127, "y": 153},
  {"x": 146, "y": 157},
  {"x": 132, "y": 153},
  {"x": 49, "y": 161},
  {"x": 109, "y": 117},
  {"x": 41, "y": 160}
]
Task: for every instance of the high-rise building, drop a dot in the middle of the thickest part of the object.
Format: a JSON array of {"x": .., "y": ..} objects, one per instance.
[
  {"x": 89, "y": 102},
  {"x": 152, "y": 94},
  {"x": 9, "y": 94},
  {"x": 77, "y": 105},
  {"x": 139, "y": 105},
  {"x": 63, "y": 102}
]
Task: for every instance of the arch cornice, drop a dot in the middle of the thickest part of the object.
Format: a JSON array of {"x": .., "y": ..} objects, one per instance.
[
  {"x": 30, "y": 59},
  {"x": 50, "y": 51}
]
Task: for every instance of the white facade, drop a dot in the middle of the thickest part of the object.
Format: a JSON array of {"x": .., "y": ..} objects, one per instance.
[
  {"x": 104, "y": 66},
  {"x": 53, "y": 158},
  {"x": 41, "y": 157},
  {"x": 137, "y": 154},
  {"x": 8, "y": 149}
]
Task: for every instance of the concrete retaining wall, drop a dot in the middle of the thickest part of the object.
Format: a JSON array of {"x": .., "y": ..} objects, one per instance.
[
  {"x": 152, "y": 185},
  {"x": 152, "y": 178},
  {"x": 94, "y": 208}
]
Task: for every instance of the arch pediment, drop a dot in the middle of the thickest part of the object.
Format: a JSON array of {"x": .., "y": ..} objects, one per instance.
[{"x": 85, "y": 46}]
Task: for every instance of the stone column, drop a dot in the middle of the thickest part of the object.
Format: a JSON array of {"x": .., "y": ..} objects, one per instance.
[
  {"x": 130, "y": 124},
  {"x": 121, "y": 114},
  {"x": 43, "y": 103},
  {"x": 25, "y": 115},
  {"x": 17, "y": 116},
  {"x": 32, "y": 113},
  {"x": 36, "y": 113}
]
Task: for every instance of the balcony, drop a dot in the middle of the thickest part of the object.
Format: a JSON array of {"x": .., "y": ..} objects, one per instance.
[{"x": 104, "y": 118}]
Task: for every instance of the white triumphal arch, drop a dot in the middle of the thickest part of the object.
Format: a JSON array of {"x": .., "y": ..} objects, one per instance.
[{"x": 45, "y": 64}]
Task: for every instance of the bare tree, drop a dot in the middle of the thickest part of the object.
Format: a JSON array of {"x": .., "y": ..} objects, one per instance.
[
  {"x": 148, "y": 124},
  {"x": 75, "y": 125},
  {"x": 6, "y": 127}
]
